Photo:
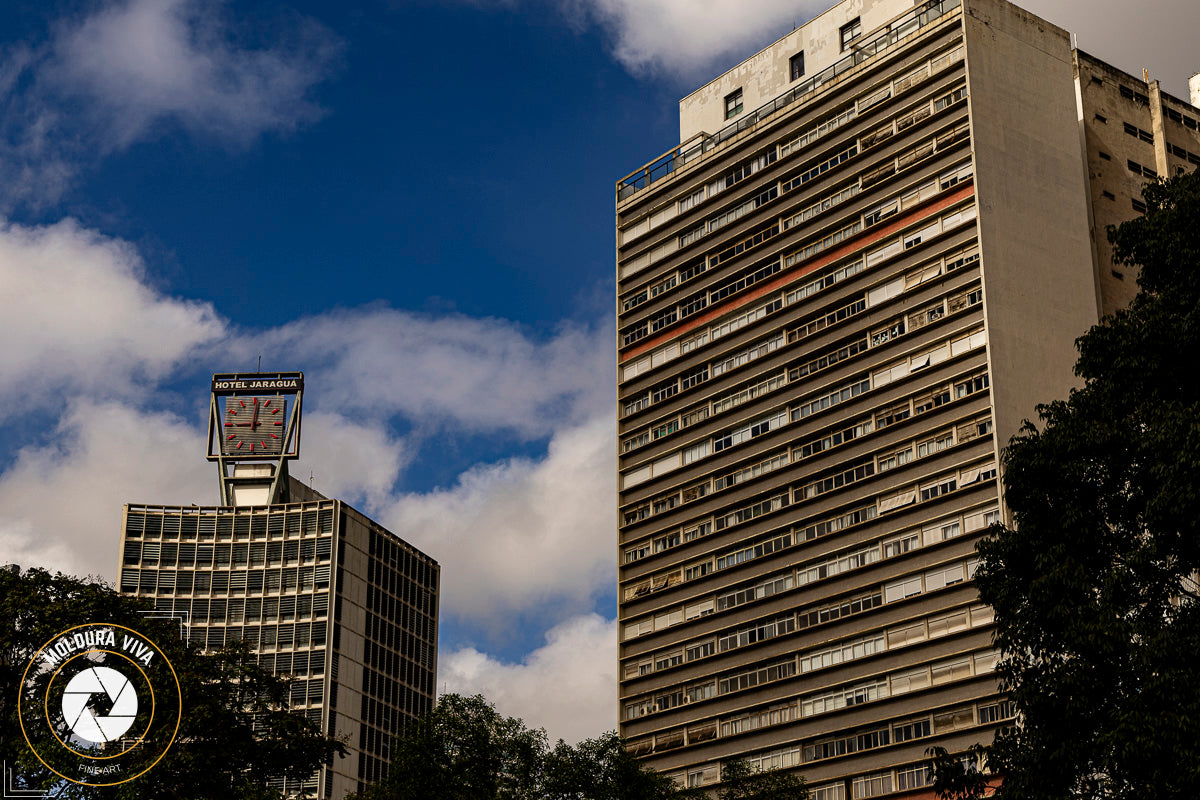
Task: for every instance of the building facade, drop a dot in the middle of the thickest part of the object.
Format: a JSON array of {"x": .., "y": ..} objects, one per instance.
[
  {"x": 319, "y": 591},
  {"x": 862, "y": 268}
]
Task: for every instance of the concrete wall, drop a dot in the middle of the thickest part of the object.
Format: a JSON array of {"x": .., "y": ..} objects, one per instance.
[
  {"x": 350, "y": 592},
  {"x": 767, "y": 74},
  {"x": 1036, "y": 249},
  {"x": 1111, "y": 100}
]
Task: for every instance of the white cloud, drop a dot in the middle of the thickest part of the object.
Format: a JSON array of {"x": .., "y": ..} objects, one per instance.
[
  {"x": 60, "y": 502},
  {"x": 139, "y": 63},
  {"x": 349, "y": 460},
  {"x": 691, "y": 40},
  {"x": 475, "y": 375},
  {"x": 522, "y": 534},
  {"x": 687, "y": 38},
  {"x": 131, "y": 70},
  {"x": 527, "y": 536},
  {"x": 567, "y": 686},
  {"x": 80, "y": 317}
]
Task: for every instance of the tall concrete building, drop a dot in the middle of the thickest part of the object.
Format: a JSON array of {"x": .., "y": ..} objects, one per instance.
[
  {"x": 838, "y": 297},
  {"x": 322, "y": 593}
]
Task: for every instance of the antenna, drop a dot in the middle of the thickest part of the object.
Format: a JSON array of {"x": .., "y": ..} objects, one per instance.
[{"x": 259, "y": 363}]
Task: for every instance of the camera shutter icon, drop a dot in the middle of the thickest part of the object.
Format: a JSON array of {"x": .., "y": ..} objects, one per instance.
[{"x": 103, "y": 687}]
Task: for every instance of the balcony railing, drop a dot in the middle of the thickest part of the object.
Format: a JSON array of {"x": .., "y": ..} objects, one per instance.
[{"x": 921, "y": 16}]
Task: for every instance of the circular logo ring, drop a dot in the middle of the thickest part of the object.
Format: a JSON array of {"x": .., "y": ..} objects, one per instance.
[{"x": 92, "y": 649}]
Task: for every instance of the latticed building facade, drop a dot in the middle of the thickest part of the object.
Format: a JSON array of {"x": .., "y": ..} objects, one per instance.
[
  {"x": 320, "y": 592},
  {"x": 863, "y": 267}
]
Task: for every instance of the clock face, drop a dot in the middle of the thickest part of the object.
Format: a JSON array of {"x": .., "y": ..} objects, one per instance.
[{"x": 253, "y": 426}]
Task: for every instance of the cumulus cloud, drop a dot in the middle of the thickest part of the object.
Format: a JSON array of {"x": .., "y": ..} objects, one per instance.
[
  {"x": 143, "y": 62},
  {"x": 686, "y": 38},
  {"x": 81, "y": 317},
  {"x": 60, "y": 501},
  {"x": 691, "y": 40},
  {"x": 526, "y": 537},
  {"x": 477, "y": 375},
  {"x": 567, "y": 686},
  {"x": 351, "y": 460},
  {"x": 133, "y": 69},
  {"x": 522, "y": 533},
  {"x": 515, "y": 536}
]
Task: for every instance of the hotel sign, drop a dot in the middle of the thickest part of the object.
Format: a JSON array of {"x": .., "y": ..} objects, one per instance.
[{"x": 278, "y": 383}]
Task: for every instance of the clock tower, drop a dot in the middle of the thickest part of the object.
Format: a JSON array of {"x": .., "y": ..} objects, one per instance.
[
  {"x": 318, "y": 591},
  {"x": 253, "y": 431}
]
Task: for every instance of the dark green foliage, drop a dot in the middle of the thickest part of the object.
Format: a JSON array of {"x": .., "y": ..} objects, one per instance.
[
  {"x": 1094, "y": 587},
  {"x": 40, "y": 606},
  {"x": 958, "y": 777},
  {"x": 739, "y": 781},
  {"x": 215, "y": 754},
  {"x": 465, "y": 750},
  {"x": 601, "y": 769}
]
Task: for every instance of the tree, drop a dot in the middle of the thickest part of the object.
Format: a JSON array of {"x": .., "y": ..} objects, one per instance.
[
  {"x": 463, "y": 750},
  {"x": 216, "y": 753},
  {"x": 740, "y": 781},
  {"x": 602, "y": 769},
  {"x": 1095, "y": 585},
  {"x": 236, "y": 734}
]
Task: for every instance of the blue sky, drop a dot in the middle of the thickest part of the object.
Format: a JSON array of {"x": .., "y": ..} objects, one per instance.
[{"x": 410, "y": 201}]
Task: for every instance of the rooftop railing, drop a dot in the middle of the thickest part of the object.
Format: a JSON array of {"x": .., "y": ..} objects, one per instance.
[{"x": 900, "y": 28}]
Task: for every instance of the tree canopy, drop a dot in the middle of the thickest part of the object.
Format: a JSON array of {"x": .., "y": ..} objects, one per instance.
[
  {"x": 740, "y": 781},
  {"x": 1095, "y": 584},
  {"x": 465, "y": 750},
  {"x": 218, "y": 751}
]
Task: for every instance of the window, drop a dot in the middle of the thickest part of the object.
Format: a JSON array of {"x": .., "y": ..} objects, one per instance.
[
  {"x": 996, "y": 712},
  {"x": 851, "y": 31},
  {"x": 733, "y": 104},
  {"x": 914, "y": 777},
  {"x": 1139, "y": 206},
  {"x": 1137, "y": 97},
  {"x": 1138, "y": 169},
  {"x": 904, "y": 732},
  {"x": 871, "y": 785},
  {"x": 1138, "y": 133},
  {"x": 797, "y": 65}
]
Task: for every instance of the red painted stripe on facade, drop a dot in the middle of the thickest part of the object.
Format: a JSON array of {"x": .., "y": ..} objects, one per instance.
[{"x": 860, "y": 241}]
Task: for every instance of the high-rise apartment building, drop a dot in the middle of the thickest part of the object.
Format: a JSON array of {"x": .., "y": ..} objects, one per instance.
[
  {"x": 838, "y": 297},
  {"x": 322, "y": 593}
]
